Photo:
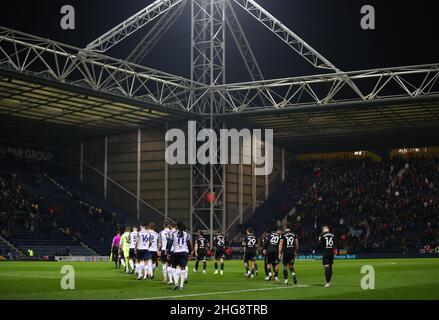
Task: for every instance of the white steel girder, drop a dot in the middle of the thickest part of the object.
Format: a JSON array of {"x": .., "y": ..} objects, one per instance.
[
  {"x": 131, "y": 25},
  {"x": 208, "y": 67},
  {"x": 206, "y": 92}
]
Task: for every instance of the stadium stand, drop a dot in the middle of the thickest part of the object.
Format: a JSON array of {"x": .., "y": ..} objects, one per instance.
[
  {"x": 54, "y": 243},
  {"x": 388, "y": 206},
  {"x": 40, "y": 213},
  {"x": 7, "y": 250},
  {"x": 93, "y": 220}
]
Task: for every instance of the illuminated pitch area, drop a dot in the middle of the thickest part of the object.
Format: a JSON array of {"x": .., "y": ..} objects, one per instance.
[{"x": 395, "y": 279}]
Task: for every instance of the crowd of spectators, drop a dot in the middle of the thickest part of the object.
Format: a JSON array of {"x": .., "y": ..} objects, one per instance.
[
  {"x": 23, "y": 210},
  {"x": 387, "y": 206},
  {"x": 90, "y": 219}
]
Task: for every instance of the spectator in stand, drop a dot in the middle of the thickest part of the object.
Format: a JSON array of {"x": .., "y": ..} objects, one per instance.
[{"x": 373, "y": 206}]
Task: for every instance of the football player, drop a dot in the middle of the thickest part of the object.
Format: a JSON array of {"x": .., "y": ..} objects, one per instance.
[
  {"x": 132, "y": 254},
  {"x": 288, "y": 249},
  {"x": 326, "y": 247},
  {"x": 170, "y": 253},
  {"x": 163, "y": 239},
  {"x": 250, "y": 253},
  {"x": 271, "y": 251},
  {"x": 201, "y": 247},
  {"x": 219, "y": 242},
  {"x": 124, "y": 249},
  {"x": 181, "y": 246},
  {"x": 142, "y": 246},
  {"x": 152, "y": 250}
]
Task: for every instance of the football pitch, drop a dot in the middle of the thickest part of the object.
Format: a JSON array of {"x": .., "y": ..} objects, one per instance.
[{"x": 394, "y": 279}]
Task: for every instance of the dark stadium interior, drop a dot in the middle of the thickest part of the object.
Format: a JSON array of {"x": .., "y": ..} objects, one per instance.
[
  {"x": 246, "y": 150},
  {"x": 46, "y": 206},
  {"x": 386, "y": 206}
]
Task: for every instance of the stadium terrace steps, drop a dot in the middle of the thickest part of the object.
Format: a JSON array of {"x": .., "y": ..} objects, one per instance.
[
  {"x": 46, "y": 239},
  {"x": 51, "y": 244},
  {"x": 93, "y": 234},
  {"x": 87, "y": 247},
  {"x": 282, "y": 195},
  {"x": 6, "y": 246}
]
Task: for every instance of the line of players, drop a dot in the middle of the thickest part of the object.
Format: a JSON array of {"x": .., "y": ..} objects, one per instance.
[
  {"x": 283, "y": 245},
  {"x": 140, "y": 251}
]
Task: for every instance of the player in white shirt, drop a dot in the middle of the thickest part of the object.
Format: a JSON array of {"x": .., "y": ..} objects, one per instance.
[
  {"x": 163, "y": 240},
  {"x": 132, "y": 252},
  {"x": 152, "y": 250},
  {"x": 181, "y": 245},
  {"x": 142, "y": 246},
  {"x": 170, "y": 254},
  {"x": 187, "y": 266}
]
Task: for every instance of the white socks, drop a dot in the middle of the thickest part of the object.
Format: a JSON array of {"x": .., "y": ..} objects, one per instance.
[
  {"x": 170, "y": 273},
  {"x": 165, "y": 272},
  {"x": 183, "y": 277},
  {"x": 150, "y": 269},
  {"x": 177, "y": 274},
  {"x": 142, "y": 268}
]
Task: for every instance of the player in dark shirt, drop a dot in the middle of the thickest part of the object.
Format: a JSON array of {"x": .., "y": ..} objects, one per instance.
[
  {"x": 201, "y": 247},
  {"x": 271, "y": 251},
  {"x": 249, "y": 243},
  {"x": 262, "y": 241},
  {"x": 219, "y": 243},
  {"x": 326, "y": 248},
  {"x": 288, "y": 249}
]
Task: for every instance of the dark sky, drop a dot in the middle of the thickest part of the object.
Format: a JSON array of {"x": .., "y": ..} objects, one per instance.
[{"x": 406, "y": 33}]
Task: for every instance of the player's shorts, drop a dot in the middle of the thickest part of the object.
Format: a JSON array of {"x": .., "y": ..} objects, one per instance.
[
  {"x": 163, "y": 256},
  {"x": 328, "y": 260},
  {"x": 132, "y": 254},
  {"x": 115, "y": 253},
  {"x": 287, "y": 258},
  {"x": 272, "y": 257},
  {"x": 250, "y": 255},
  {"x": 142, "y": 254},
  {"x": 219, "y": 254},
  {"x": 152, "y": 255},
  {"x": 201, "y": 254},
  {"x": 125, "y": 253},
  {"x": 179, "y": 259},
  {"x": 170, "y": 258}
]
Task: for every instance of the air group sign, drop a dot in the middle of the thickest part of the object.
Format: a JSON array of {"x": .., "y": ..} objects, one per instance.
[{"x": 29, "y": 154}]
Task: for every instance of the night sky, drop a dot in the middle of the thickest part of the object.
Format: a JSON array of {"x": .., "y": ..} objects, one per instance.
[{"x": 406, "y": 33}]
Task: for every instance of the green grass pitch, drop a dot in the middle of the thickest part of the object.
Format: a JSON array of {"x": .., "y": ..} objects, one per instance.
[{"x": 394, "y": 279}]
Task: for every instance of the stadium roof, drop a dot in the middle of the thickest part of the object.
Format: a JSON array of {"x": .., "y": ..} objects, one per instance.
[
  {"x": 56, "y": 94},
  {"x": 401, "y": 122},
  {"x": 47, "y": 112},
  {"x": 35, "y": 110}
]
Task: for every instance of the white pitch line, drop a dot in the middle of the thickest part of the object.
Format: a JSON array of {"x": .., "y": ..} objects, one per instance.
[
  {"x": 60, "y": 276},
  {"x": 220, "y": 292}
]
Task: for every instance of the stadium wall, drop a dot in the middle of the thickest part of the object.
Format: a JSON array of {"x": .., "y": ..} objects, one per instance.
[
  {"x": 122, "y": 187},
  {"x": 254, "y": 190},
  {"x": 169, "y": 197}
]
